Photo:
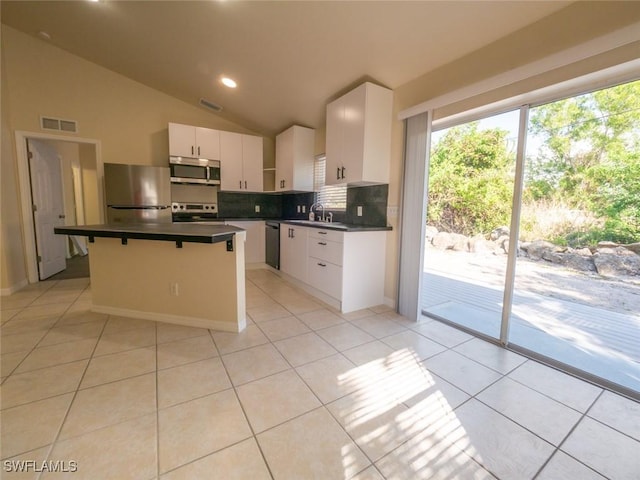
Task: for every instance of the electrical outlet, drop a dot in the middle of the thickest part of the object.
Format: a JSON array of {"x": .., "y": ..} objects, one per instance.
[
  {"x": 257, "y": 208},
  {"x": 298, "y": 208},
  {"x": 359, "y": 210},
  {"x": 393, "y": 211},
  {"x": 304, "y": 209},
  {"x": 174, "y": 289}
]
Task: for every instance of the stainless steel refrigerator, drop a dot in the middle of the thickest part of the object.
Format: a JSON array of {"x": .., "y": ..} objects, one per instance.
[{"x": 137, "y": 193}]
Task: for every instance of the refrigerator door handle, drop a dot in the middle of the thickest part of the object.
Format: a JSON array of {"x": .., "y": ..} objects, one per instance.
[{"x": 141, "y": 207}]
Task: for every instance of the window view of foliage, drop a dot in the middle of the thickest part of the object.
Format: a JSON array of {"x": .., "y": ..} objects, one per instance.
[
  {"x": 582, "y": 176},
  {"x": 589, "y": 163},
  {"x": 470, "y": 180}
]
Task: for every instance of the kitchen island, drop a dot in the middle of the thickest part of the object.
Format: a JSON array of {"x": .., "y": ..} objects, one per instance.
[{"x": 184, "y": 274}]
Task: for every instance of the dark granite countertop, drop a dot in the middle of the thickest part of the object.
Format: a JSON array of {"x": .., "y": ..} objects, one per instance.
[
  {"x": 172, "y": 232},
  {"x": 342, "y": 227}
]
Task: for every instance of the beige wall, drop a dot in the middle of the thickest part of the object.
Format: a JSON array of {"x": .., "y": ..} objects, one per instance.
[
  {"x": 570, "y": 27},
  {"x": 129, "y": 119},
  {"x": 12, "y": 267}
]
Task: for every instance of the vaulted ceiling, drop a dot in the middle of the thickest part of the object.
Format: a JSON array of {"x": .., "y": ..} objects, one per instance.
[{"x": 289, "y": 58}]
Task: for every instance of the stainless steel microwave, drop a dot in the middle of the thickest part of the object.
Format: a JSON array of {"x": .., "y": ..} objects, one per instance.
[{"x": 194, "y": 170}]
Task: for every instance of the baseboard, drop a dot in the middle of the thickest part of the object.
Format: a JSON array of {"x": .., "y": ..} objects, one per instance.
[
  {"x": 5, "y": 292},
  {"x": 390, "y": 302},
  {"x": 255, "y": 266},
  {"x": 173, "y": 319}
]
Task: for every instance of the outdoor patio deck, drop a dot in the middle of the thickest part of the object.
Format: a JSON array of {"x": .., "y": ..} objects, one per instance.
[{"x": 595, "y": 340}]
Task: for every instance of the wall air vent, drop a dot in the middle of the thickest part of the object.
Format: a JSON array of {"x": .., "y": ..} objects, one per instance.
[
  {"x": 50, "y": 123},
  {"x": 210, "y": 105}
]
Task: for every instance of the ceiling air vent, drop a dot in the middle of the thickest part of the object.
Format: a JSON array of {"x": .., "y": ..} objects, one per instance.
[
  {"x": 49, "y": 123},
  {"x": 210, "y": 105}
]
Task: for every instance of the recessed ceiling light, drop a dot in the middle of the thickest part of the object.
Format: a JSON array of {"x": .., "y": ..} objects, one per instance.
[
  {"x": 229, "y": 82},
  {"x": 44, "y": 35}
]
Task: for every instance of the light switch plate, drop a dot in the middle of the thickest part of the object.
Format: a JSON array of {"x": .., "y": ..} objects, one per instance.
[
  {"x": 359, "y": 210},
  {"x": 257, "y": 208},
  {"x": 392, "y": 211}
]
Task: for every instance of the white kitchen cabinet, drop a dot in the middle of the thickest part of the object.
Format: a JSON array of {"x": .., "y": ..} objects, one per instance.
[
  {"x": 252, "y": 163},
  {"x": 240, "y": 162},
  {"x": 254, "y": 247},
  {"x": 294, "y": 159},
  {"x": 293, "y": 251},
  {"x": 190, "y": 141},
  {"x": 358, "y": 136},
  {"x": 343, "y": 269},
  {"x": 349, "y": 267}
]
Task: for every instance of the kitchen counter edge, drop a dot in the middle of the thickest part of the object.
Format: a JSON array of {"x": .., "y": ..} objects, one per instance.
[{"x": 173, "y": 232}]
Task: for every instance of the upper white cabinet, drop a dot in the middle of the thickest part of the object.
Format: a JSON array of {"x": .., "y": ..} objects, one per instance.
[
  {"x": 358, "y": 141},
  {"x": 190, "y": 141},
  {"x": 240, "y": 162},
  {"x": 294, "y": 159}
]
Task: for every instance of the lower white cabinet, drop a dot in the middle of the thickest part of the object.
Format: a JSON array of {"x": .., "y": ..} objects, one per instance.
[
  {"x": 326, "y": 277},
  {"x": 344, "y": 269},
  {"x": 293, "y": 251},
  {"x": 254, "y": 246}
]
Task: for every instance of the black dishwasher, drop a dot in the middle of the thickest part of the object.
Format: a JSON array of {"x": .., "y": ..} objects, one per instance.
[{"x": 272, "y": 240}]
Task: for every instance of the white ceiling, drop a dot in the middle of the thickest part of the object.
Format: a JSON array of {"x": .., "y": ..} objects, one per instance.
[{"x": 289, "y": 58}]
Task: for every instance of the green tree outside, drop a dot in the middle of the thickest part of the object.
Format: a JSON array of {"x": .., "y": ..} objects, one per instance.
[{"x": 588, "y": 163}]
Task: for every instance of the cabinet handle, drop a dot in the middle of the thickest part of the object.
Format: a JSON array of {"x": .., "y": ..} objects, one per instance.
[
  {"x": 342, "y": 172},
  {"x": 293, "y": 233},
  {"x": 245, "y": 184},
  {"x": 322, "y": 264},
  {"x": 191, "y": 149},
  {"x": 283, "y": 183},
  {"x": 338, "y": 173},
  {"x": 198, "y": 151},
  {"x": 322, "y": 243},
  {"x": 322, "y": 233},
  {"x": 240, "y": 183}
]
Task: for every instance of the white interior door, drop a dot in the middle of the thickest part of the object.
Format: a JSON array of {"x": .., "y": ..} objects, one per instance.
[{"x": 48, "y": 207}]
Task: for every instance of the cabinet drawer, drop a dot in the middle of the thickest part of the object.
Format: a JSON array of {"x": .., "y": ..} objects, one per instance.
[
  {"x": 324, "y": 249},
  {"x": 331, "y": 235},
  {"x": 326, "y": 277}
]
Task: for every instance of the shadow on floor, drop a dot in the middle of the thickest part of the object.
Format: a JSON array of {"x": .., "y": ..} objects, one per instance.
[{"x": 77, "y": 267}]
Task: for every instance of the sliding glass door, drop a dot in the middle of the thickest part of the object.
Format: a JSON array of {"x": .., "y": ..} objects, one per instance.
[
  {"x": 562, "y": 281},
  {"x": 577, "y": 285},
  {"x": 470, "y": 197}
]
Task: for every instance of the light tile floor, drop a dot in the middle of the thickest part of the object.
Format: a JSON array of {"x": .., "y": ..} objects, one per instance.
[{"x": 303, "y": 393}]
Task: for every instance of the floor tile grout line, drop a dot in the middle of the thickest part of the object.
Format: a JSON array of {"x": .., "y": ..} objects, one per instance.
[
  {"x": 157, "y": 408},
  {"x": 246, "y": 417},
  {"x": 544, "y": 393},
  {"x": 43, "y": 336},
  {"x": 558, "y": 448},
  {"x": 73, "y": 398}
]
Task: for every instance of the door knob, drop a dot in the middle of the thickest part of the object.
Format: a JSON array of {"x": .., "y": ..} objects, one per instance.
[{"x": 61, "y": 216}]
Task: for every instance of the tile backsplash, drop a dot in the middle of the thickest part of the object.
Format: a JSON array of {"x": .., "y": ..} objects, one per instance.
[
  {"x": 372, "y": 200},
  {"x": 367, "y": 205}
]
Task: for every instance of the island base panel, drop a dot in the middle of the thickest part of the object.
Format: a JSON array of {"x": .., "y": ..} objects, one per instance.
[{"x": 199, "y": 285}]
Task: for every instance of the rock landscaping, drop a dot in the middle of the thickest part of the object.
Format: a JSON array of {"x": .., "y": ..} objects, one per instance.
[{"x": 607, "y": 259}]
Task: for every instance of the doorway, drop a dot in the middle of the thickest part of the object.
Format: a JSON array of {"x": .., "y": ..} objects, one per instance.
[{"x": 79, "y": 193}]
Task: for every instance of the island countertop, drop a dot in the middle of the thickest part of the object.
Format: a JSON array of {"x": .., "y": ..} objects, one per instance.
[{"x": 172, "y": 232}]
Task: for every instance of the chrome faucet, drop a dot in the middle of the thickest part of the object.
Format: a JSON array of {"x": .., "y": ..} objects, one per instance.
[{"x": 318, "y": 205}]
